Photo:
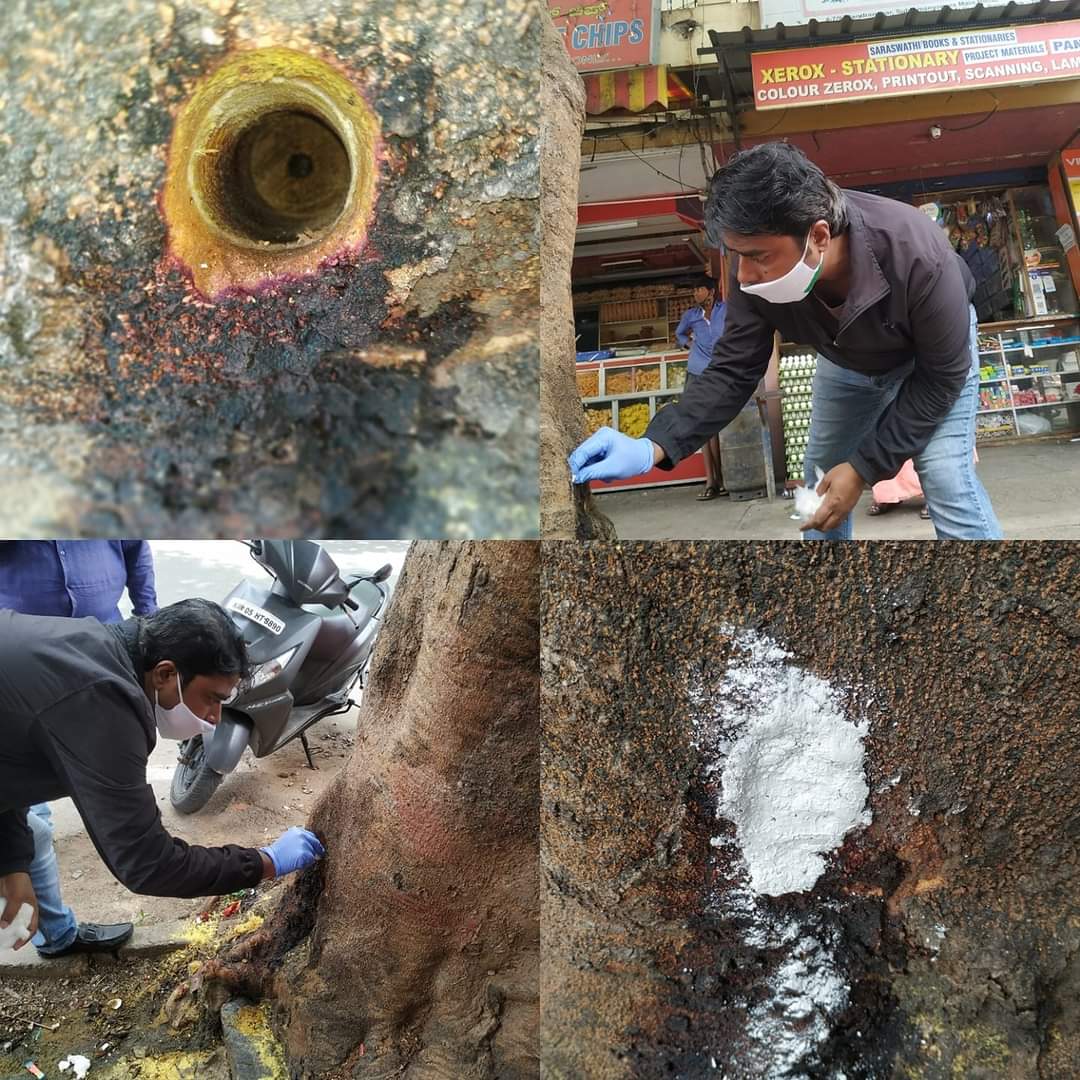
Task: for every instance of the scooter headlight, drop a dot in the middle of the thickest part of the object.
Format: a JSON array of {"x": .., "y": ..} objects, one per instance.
[{"x": 271, "y": 669}]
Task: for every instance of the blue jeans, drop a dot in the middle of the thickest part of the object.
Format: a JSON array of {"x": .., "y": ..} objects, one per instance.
[
  {"x": 57, "y": 924},
  {"x": 847, "y": 405}
]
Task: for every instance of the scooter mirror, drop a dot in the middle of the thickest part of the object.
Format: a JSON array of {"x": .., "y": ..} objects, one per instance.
[{"x": 383, "y": 572}]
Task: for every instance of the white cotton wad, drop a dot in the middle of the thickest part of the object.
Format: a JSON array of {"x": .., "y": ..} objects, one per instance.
[
  {"x": 19, "y": 930},
  {"x": 793, "y": 780},
  {"x": 807, "y": 500},
  {"x": 76, "y": 1062}
]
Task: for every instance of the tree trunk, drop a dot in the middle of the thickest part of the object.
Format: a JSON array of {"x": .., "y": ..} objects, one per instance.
[
  {"x": 938, "y": 935},
  {"x": 566, "y": 511},
  {"x": 413, "y": 949}
]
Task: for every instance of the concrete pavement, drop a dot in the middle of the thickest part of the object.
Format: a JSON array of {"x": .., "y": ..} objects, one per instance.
[{"x": 1035, "y": 489}]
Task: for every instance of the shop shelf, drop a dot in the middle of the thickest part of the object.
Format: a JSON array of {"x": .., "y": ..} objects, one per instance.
[
  {"x": 1020, "y": 348},
  {"x": 652, "y": 395}
]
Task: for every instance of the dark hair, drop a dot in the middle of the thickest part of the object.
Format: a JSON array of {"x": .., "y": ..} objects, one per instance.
[
  {"x": 703, "y": 281},
  {"x": 772, "y": 189},
  {"x": 197, "y": 636}
]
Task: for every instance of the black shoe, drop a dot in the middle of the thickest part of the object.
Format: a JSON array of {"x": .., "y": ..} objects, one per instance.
[{"x": 94, "y": 937}]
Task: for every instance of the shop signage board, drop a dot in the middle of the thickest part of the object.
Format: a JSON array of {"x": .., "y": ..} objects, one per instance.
[
  {"x": 800, "y": 12},
  {"x": 1070, "y": 162},
  {"x": 1070, "y": 158},
  {"x": 609, "y": 34},
  {"x": 928, "y": 63}
]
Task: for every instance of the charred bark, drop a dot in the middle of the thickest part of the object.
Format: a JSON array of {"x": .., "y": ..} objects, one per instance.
[{"x": 360, "y": 359}]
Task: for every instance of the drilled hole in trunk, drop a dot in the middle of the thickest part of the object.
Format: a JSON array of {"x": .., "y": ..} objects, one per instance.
[
  {"x": 283, "y": 179},
  {"x": 272, "y": 169}
]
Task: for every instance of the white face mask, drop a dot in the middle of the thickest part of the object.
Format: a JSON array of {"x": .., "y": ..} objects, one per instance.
[
  {"x": 179, "y": 722},
  {"x": 794, "y": 286}
]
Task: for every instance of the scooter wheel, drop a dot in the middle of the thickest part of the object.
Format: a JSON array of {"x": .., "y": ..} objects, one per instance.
[{"x": 193, "y": 780}]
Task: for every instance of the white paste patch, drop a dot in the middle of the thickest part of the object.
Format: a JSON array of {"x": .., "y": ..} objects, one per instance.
[{"x": 793, "y": 780}]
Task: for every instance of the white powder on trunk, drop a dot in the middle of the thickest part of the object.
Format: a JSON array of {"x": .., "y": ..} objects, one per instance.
[
  {"x": 793, "y": 785},
  {"x": 793, "y": 780},
  {"x": 807, "y": 993}
]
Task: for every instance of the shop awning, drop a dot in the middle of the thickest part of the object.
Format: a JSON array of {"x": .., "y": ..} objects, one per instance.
[
  {"x": 638, "y": 90},
  {"x": 732, "y": 50}
]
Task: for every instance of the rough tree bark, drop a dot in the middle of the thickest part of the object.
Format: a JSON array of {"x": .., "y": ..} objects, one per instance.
[
  {"x": 413, "y": 949},
  {"x": 945, "y": 934},
  {"x": 388, "y": 390},
  {"x": 566, "y": 512}
]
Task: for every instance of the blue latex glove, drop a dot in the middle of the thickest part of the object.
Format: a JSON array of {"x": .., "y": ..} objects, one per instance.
[
  {"x": 609, "y": 455},
  {"x": 295, "y": 849}
]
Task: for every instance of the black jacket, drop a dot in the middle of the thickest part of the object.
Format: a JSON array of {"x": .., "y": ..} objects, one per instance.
[
  {"x": 909, "y": 299},
  {"x": 74, "y": 720}
]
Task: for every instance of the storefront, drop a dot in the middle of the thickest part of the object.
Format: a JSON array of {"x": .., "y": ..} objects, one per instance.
[
  {"x": 629, "y": 363},
  {"x": 973, "y": 121}
]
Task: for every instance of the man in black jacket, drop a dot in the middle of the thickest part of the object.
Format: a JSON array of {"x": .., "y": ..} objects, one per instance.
[
  {"x": 73, "y": 578},
  {"x": 874, "y": 286},
  {"x": 79, "y": 705}
]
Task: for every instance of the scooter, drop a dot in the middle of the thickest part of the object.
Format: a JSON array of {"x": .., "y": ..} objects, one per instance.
[{"x": 304, "y": 665}]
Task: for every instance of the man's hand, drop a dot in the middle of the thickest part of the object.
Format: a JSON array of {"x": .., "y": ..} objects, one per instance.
[
  {"x": 609, "y": 455},
  {"x": 296, "y": 849},
  {"x": 841, "y": 486},
  {"x": 16, "y": 890}
]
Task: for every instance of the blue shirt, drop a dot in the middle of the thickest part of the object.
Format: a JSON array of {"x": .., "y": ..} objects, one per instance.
[
  {"x": 706, "y": 331},
  {"x": 76, "y": 577}
]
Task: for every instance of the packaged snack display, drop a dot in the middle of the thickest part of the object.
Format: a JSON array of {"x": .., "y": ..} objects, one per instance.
[
  {"x": 597, "y": 417},
  {"x": 633, "y": 418},
  {"x": 626, "y": 394},
  {"x": 588, "y": 383}
]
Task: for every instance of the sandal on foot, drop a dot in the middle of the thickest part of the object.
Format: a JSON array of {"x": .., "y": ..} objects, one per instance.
[
  {"x": 876, "y": 508},
  {"x": 924, "y": 513},
  {"x": 706, "y": 494}
]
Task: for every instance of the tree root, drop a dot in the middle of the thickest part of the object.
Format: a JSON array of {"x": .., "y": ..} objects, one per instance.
[{"x": 246, "y": 967}]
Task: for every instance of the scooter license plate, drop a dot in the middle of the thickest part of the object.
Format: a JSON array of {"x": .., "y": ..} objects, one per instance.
[{"x": 256, "y": 615}]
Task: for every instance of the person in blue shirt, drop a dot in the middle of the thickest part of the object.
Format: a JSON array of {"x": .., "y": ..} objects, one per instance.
[
  {"x": 698, "y": 330},
  {"x": 76, "y": 578}
]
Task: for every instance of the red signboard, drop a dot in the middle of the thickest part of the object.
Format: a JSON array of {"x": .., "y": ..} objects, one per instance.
[
  {"x": 608, "y": 34},
  {"x": 916, "y": 65},
  {"x": 1070, "y": 158}
]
